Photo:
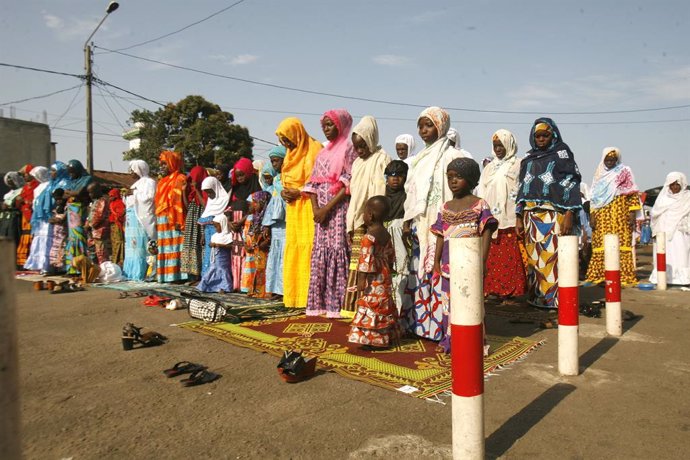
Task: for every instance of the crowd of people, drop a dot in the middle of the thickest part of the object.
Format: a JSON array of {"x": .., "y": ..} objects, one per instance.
[{"x": 343, "y": 230}]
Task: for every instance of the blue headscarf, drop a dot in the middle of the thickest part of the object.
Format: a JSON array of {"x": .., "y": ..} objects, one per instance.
[
  {"x": 45, "y": 202},
  {"x": 278, "y": 151},
  {"x": 268, "y": 170},
  {"x": 82, "y": 180}
]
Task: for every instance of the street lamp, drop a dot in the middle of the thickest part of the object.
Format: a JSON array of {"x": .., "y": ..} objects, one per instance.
[{"x": 112, "y": 6}]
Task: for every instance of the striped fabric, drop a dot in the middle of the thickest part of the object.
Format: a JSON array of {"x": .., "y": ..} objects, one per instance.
[{"x": 169, "y": 247}]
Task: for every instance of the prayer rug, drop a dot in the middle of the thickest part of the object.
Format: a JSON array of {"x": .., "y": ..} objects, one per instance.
[{"x": 416, "y": 366}]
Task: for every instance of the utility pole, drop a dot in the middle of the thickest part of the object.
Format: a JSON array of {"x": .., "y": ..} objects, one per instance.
[{"x": 89, "y": 109}]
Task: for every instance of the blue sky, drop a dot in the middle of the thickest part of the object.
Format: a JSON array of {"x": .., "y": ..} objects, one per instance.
[{"x": 526, "y": 56}]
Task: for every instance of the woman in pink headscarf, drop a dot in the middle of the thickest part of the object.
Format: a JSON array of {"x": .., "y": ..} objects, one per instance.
[{"x": 328, "y": 190}]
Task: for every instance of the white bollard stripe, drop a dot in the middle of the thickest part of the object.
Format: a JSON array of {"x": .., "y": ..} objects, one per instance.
[
  {"x": 468, "y": 435},
  {"x": 568, "y": 359},
  {"x": 568, "y": 305},
  {"x": 660, "y": 261},
  {"x": 614, "y": 319},
  {"x": 466, "y": 281}
]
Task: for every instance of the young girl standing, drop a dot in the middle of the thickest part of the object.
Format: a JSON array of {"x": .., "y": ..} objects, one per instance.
[
  {"x": 462, "y": 217},
  {"x": 396, "y": 175},
  {"x": 257, "y": 240},
  {"x": 376, "y": 320},
  {"x": 274, "y": 219},
  {"x": 218, "y": 277}
]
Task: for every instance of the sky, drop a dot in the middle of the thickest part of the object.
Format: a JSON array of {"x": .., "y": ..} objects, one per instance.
[{"x": 480, "y": 59}]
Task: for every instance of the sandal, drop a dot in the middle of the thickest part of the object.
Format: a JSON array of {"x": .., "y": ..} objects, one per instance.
[
  {"x": 156, "y": 301},
  {"x": 183, "y": 367},
  {"x": 199, "y": 377}
]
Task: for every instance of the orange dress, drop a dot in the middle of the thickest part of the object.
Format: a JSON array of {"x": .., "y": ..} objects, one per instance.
[{"x": 376, "y": 319}]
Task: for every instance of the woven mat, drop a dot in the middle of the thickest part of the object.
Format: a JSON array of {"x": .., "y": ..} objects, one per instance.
[{"x": 415, "y": 367}]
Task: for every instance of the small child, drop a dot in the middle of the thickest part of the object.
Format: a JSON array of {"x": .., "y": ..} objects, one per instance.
[
  {"x": 59, "y": 221},
  {"x": 375, "y": 324},
  {"x": 257, "y": 240},
  {"x": 97, "y": 223},
  {"x": 396, "y": 175},
  {"x": 117, "y": 213},
  {"x": 218, "y": 277},
  {"x": 462, "y": 217},
  {"x": 151, "y": 260}
]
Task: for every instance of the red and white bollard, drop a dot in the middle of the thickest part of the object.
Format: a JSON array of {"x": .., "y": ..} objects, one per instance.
[
  {"x": 467, "y": 346},
  {"x": 660, "y": 261},
  {"x": 612, "y": 265},
  {"x": 568, "y": 305}
]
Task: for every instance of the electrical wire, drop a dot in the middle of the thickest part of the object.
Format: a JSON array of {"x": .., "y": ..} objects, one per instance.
[
  {"x": 69, "y": 107},
  {"x": 41, "y": 96},
  {"x": 36, "y": 69}
]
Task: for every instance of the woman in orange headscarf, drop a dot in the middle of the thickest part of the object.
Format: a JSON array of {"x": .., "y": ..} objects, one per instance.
[
  {"x": 171, "y": 204},
  {"x": 299, "y": 218},
  {"x": 25, "y": 204}
]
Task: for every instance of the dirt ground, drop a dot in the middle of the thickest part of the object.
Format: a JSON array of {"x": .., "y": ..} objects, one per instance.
[{"x": 83, "y": 397}]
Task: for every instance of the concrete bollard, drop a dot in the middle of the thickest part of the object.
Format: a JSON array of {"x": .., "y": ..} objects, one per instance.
[
  {"x": 568, "y": 305},
  {"x": 612, "y": 265},
  {"x": 467, "y": 347},
  {"x": 660, "y": 261}
]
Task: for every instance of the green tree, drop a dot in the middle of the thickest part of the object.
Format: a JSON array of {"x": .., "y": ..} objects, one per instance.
[{"x": 199, "y": 129}]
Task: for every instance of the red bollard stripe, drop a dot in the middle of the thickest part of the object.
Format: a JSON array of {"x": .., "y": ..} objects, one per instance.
[
  {"x": 467, "y": 359},
  {"x": 613, "y": 285},
  {"x": 661, "y": 261},
  {"x": 568, "y": 306}
]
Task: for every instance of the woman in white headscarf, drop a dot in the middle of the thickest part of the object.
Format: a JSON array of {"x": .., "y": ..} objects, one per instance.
[
  {"x": 140, "y": 223},
  {"x": 505, "y": 274},
  {"x": 404, "y": 147},
  {"x": 41, "y": 231},
  {"x": 218, "y": 200},
  {"x": 9, "y": 214},
  {"x": 671, "y": 215},
  {"x": 427, "y": 189}
]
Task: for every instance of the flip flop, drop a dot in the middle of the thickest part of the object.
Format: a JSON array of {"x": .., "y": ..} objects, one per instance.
[
  {"x": 183, "y": 367},
  {"x": 199, "y": 378},
  {"x": 156, "y": 301}
]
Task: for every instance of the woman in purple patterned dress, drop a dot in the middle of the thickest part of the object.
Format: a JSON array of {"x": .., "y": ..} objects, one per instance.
[{"x": 328, "y": 187}]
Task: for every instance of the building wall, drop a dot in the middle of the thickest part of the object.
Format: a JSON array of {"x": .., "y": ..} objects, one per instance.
[{"x": 23, "y": 142}]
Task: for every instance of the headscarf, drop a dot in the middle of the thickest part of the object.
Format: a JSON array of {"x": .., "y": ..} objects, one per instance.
[
  {"x": 26, "y": 169},
  {"x": 170, "y": 188},
  {"x": 61, "y": 179},
  {"x": 396, "y": 197},
  {"x": 223, "y": 237},
  {"x": 82, "y": 180},
  {"x": 27, "y": 193},
  {"x": 219, "y": 203},
  {"x": 408, "y": 140},
  {"x": 117, "y": 208},
  {"x": 339, "y": 154},
  {"x": 196, "y": 176},
  {"x": 610, "y": 183},
  {"x": 17, "y": 182},
  {"x": 40, "y": 214},
  {"x": 142, "y": 198},
  {"x": 499, "y": 181},
  {"x": 585, "y": 192},
  {"x": 549, "y": 176},
  {"x": 267, "y": 170},
  {"x": 299, "y": 162},
  {"x": 675, "y": 206},
  {"x": 429, "y": 166},
  {"x": 279, "y": 151},
  {"x": 368, "y": 178},
  {"x": 261, "y": 199},
  {"x": 454, "y": 136},
  {"x": 467, "y": 169},
  {"x": 240, "y": 192}
]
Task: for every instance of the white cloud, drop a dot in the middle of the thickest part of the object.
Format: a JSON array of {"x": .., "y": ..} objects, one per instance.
[
  {"x": 240, "y": 59},
  {"x": 392, "y": 60},
  {"x": 70, "y": 28}
]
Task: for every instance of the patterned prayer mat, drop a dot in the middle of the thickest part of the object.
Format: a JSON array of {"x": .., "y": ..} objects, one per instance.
[{"x": 415, "y": 367}]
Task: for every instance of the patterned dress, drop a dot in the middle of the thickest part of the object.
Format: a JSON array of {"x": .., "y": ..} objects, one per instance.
[
  {"x": 376, "y": 319},
  {"x": 254, "y": 272},
  {"x": 505, "y": 271},
  {"x": 470, "y": 222},
  {"x": 76, "y": 236},
  {"x": 191, "y": 247}
]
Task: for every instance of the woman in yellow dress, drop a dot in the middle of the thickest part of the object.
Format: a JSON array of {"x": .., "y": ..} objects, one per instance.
[
  {"x": 299, "y": 218},
  {"x": 615, "y": 202}
]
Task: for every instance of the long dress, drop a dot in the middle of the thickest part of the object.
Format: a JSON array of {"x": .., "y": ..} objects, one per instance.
[
  {"x": 218, "y": 277},
  {"x": 402, "y": 265},
  {"x": 330, "y": 253},
  {"x": 376, "y": 320},
  {"x": 169, "y": 251},
  {"x": 136, "y": 247},
  {"x": 76, "y": 236},
  {"x": 57, "y": 249},
  {"x": 614, "y": 219},
  {"x": 274, "y": 218},
  {"x": 206, "y": 224},
  {"x": 192, "y": 251}
]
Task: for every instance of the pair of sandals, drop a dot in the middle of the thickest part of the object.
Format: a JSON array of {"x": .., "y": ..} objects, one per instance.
[
  {"x": 198, "y": 373},
  {"x": 132, "y": 334}
]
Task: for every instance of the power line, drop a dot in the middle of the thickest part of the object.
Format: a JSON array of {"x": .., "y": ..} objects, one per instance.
[
  {"x": 182, "y": 29},
  {"x": 82, "y": 131},
  {"x": 41, "y": 96},
  {"x": 382, "y": 101},
  {"x": 69, "y": 107},
  {"x": 36, "y": 69},
  {"x": 109, "y": 108},
  {"x": 102, "y": 82}
]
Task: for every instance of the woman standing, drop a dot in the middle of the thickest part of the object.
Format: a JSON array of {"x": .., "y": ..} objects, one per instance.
[
  {"x": 116, "y": 217},
  {"x": 327, "y": 189},
  {"x": 244, "y": 183},
  {"x": 10, "y": 218},
  {"x": 171, "y": 205},
  {"x": 25, "y": 204},
  {"x": 427, "y": 190},
  {"x": 140, "y": 221},
  {"x": 505, "y": 272},
  {"x": 274, "y": 219},
  {"x": 299, "y": 218},
  {"x": 192, "y": 249},
  {"x": 613, "y": 206},
  {"x": 76, "y": 210},
  {"x": 404, "y": 147},
  {"x": 216, "y": 204},
  {"x": 41, "y": 231},
  {"x": 548, "y": 201},
  {"x": 671, "y": 215}
]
